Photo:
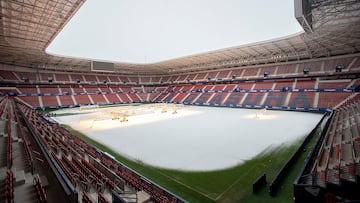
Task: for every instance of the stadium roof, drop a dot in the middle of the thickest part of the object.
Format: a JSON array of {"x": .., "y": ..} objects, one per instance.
[{"x": 29, "y": 26}]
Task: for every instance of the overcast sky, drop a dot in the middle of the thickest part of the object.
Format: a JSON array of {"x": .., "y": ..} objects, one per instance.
[{"x": 149, "y": 31}]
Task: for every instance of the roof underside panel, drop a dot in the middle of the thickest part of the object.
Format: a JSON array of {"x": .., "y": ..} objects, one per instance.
[{"x": 27, "y": 27}]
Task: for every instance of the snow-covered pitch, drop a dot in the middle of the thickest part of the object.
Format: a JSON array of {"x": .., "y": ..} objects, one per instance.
[{"x": 190, "y": 138}]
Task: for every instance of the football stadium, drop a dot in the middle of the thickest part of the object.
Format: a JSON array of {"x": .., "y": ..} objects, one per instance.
[{"x": 270, "y": 121}]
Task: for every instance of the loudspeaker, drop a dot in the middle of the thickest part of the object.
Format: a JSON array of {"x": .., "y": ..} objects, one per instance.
[
  {"x": 306, "y": 71},
  {"x": 25, "y": 79},
  {"x": 339, "y": 68}
]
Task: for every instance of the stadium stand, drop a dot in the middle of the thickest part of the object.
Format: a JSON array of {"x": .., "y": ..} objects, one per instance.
[
  {"x": 330, "y": 100},
  {"x": 213, "y": 75},
  {"x": 131, "y": 80},
  {"x": 9, "y": 187},
  {"x": 284, "y": 85},
  {"x": 114, "y": 79},
  {"x": 236, "y": 73},
  {"x": 124, "y": 80},
  {"x": 48, "y": 89},
  {"x": 263, "y": 86},
  {"x": 344, "y": 63},
  {"x": 61, "y": 77},
  {"x": 91, "y": 89},
  {"x": 103, "y": 78},
  {"x": 28, "y": 89},
  {"x": 144, "y": 80},
  {"x": 306, "y": 98},
  {"x": 90, "y": 78},
  {"x": 251, "y": 72},
  {"x": 286, "y": 69},
  {"x": 84, "y": 168},
  {"x": 8, "y": 75},
  {"x": 315, "y": 71},
  {"x": 27, "y": 76},
  {"x": 41, "y": 195},
  {"x": 104, "y": 89},
  {"x": 181, "y": 78},
  {"x": 190, "y": 77},
  {"x": 337, "y": 84},
  {"x": 305, "y": 84},
  {"x": 200, "y": 76},
  {"x": 50, "y": 101},
  {"x": 223, "y": 75},
  {"x": 334, "y": 167},
  {"x": 77, "y": 78},
  {"x": 66, "y": 100},
  {"x": 46, "y": 77},
  {"x": 318, "y": 91}
]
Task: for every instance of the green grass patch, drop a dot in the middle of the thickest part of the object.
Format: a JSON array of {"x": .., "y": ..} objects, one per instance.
[
  {"x": 46, "y": 111},
  {"x": 285, "y": 193},
  {"x": 228, "y": 185},
  {"x": 51, "y": 113},
  {"x": 65, "y": 114}
]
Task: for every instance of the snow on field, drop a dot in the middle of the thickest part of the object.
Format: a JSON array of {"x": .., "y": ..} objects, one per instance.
[{"x": 194, "y": 138}]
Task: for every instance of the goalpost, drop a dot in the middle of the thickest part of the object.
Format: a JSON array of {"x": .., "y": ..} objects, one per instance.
[{"x": 88, "y": 107}]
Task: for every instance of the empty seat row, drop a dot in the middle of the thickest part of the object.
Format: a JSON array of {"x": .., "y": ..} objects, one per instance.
[
  {"x": 9, "y": 187},
  {"x": 67, "y": 172},
  {"x": 339, "y": 153},
  {"x": 29, "y": 158},
  {"x": 9, "y": 149},
  {"x": 86, "y": 198},
  {"x": 3, "y": 103},
  {"x": 92, "y": 177},
  {"x": 138, "y": 184},
  {"x": 82, "y": 178},
  {"x": 41, "y": 195},
  {"x": 101, "y": 198}
]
